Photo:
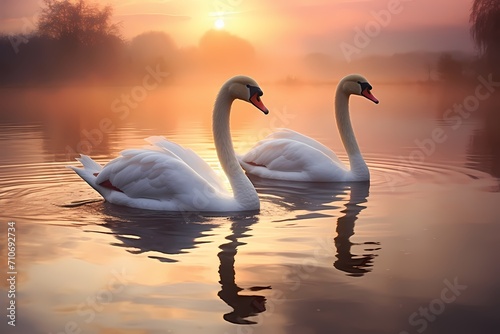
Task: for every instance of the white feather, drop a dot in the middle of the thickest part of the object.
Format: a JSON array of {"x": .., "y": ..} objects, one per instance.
[
  {"x": 289, "y": 155},
  {"x": 166, "y": 176}
]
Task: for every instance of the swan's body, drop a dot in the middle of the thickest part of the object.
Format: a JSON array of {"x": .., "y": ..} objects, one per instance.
[
  {"x": 168, "y": 177},
  {"x": 288, "y": 155}
]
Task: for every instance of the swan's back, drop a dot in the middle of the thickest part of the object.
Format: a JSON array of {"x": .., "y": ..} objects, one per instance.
[
  {"x": 293, "y": 160},
  {"x": 156, "y": 178},
  {"x": 293, "y": 135},
  {"x": 191, "y": 159}
]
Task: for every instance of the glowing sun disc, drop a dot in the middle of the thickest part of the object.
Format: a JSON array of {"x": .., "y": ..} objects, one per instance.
[{"x": 219, "y": 24}]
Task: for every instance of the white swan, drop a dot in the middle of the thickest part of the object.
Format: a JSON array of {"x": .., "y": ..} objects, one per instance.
[
  {"x": 168, "y": 177},
  {"x": 288, "y": 155}
]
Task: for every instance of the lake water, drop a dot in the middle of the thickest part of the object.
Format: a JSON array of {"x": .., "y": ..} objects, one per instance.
[{"x": 414, "y": 251}]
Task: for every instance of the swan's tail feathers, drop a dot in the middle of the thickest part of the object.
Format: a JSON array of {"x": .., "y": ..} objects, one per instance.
[
  {"x": 89, "y": 164},
  {"x": 89, "y": 171}
]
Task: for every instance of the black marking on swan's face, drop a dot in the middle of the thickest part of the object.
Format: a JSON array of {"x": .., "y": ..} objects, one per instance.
[
  {"x": 365, "y": 85},
  {"x": 255, "y": 94},
  {"x": 366, "y": 91}
]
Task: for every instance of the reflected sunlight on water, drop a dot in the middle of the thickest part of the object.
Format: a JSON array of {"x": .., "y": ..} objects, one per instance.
[{"x": 317, "y": 257}]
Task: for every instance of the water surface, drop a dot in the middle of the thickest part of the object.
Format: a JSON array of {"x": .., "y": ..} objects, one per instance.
[{"x": 412, "y": 251}]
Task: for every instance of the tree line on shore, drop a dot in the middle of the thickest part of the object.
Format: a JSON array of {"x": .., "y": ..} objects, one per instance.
[{"x": 76, "y": 41}]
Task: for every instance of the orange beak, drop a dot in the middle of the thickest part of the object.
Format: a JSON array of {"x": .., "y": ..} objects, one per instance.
[
  {"x": 366, "y": 93},
  {"x": 256, "y": 101}
]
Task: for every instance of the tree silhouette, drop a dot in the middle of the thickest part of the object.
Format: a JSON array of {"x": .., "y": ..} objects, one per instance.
[
  {"x": 83, "y": 41},
  {"x": 153, "y": 47},
  {"x": 77, "y": 23},
  {"x": 485, "y": 30}
]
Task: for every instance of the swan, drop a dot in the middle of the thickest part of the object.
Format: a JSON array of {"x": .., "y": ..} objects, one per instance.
[
  {"x": 289, "y": 155},
  {"x": 165, "y": 176}
]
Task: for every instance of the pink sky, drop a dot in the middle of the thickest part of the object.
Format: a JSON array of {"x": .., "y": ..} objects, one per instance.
[{"x": 287, "y": 26}]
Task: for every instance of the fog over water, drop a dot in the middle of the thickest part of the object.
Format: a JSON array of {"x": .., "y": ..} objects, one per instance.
[{"x": 410, "y": 251}]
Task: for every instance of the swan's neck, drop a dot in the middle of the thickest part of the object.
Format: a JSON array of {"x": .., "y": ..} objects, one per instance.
[
  {"x": 243, "y": 190},
  {"x": 358, "y": 165}
]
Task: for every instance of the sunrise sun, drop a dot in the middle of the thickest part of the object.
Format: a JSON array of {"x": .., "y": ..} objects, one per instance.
[{"x": 219, "y": 24}]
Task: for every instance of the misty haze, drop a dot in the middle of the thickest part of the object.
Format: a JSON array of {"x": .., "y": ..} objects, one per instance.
[{"x": 405, "y": 246}]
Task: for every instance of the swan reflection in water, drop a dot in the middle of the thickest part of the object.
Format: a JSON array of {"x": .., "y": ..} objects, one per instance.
[
  {"x": 353, "y": 265},
  {"x": 317, "y": 198},
  {"x": 153, "y": 231},
  {"x": 169, "y": 234},
  {"x": 243, "y": 305}
]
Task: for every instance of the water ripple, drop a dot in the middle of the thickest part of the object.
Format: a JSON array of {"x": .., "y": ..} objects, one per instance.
[
  {"x": 48, "y": 186},
  {"x": 391, "y": 173}
]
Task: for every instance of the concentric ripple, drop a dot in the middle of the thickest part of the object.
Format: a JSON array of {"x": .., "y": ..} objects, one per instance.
[
  {"x": 41, "y": 191},
  {"x": 37, "y": 191},
  {"x": 394, "y": 173}
]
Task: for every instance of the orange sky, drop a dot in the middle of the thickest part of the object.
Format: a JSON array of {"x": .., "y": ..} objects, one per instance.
[{"x": 287, "y": 26}]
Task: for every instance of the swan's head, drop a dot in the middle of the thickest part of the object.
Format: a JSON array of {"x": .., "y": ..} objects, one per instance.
[
  {"x": 358, "y": 85},
  {"x": 246, "y": 89}
]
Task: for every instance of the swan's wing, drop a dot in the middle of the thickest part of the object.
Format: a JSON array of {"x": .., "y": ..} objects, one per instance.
[
  {"x": 292, "y": 135},
  {"x": 286, "y": 159},
  {"x": 153, "y": 174},
  {"x": 191, "y": 159}
]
